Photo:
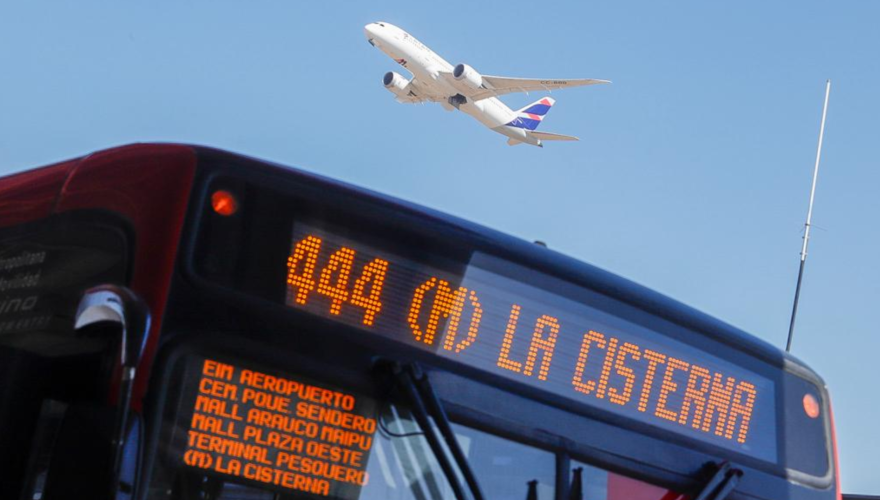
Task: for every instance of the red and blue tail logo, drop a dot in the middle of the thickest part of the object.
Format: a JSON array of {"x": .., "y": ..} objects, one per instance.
[{"x": 530, "y": 116}]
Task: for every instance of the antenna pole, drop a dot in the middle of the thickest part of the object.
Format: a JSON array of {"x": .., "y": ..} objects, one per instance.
[{"x": 797, "y": 291}]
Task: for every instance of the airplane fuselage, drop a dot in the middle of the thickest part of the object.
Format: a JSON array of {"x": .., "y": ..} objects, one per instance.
[{"x": 426, "y": 66}]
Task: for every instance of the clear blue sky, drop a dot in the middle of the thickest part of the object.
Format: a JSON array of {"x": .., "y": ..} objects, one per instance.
[{"x": 691, "y": 177}]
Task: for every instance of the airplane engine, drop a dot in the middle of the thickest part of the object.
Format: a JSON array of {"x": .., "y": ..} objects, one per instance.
[
  {"x": 395, "y": 83},
  {"x": 467, "y": 77}
]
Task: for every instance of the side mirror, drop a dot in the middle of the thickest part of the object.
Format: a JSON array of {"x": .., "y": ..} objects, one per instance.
[{"x": 117, "y": 304}]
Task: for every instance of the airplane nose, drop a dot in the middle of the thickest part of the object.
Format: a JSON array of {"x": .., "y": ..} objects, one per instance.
[{"x": 370, "y": 31}]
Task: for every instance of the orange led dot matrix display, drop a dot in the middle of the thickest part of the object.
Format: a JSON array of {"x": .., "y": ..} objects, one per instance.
[
  {"x": 445, "y": 304},
  {"x": 723, "y": 409},
  {"x": 282, "y": 432},
  {"x": 334, "y": 277},
  {"x": 530, "y": 335}
]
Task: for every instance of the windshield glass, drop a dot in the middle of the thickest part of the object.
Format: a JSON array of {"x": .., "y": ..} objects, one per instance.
[
  {"x": 239, "y": 433},
  {"x": 592, "y": 483},
  {"x": 504, "y": 468}
]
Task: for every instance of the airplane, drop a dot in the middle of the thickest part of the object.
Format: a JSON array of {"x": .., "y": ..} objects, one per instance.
[{"x": 462, "y": 87}]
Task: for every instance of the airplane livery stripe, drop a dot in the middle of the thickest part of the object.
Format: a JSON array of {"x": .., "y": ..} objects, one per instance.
[
  {"x": 526, "y": 123},
  {"x": 538, "y": 109}
]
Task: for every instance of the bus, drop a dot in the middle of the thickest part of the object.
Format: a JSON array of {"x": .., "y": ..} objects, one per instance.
[{"x": 179, "y": 322}]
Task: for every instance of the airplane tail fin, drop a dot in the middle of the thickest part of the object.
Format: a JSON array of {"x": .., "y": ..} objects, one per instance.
[
  {"x": 539, "y": 107},
  {"x": 531, "y": 116}
]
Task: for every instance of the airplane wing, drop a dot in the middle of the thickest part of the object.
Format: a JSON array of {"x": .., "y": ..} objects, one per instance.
[{"x": 499, "y": 85}]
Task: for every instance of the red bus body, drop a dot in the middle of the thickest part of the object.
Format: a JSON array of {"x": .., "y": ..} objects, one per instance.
[{"x": 154, "y": 188}]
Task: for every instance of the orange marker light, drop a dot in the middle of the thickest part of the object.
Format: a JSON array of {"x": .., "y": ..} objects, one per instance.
[
  {"x": 224, "y": 203},
  {"x": 811, "y": 406}
]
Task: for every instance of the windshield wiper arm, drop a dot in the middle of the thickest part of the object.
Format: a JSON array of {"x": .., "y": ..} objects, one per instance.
[
  {"x": 417, "y": 407},
  {"x": 425, "y": 403},
  {"x": 724, "y": 480},
  {"x": 442, "y": 421}
]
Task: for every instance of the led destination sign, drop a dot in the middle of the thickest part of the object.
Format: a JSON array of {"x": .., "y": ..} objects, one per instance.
[
  {"x": 285, "y": 433},
  {"x": 527, "y": 334}
]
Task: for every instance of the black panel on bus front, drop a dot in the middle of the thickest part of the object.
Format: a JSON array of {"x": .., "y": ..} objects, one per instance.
[
  {"x": 44, "y": 364},
  {"x": 299, "y": 262}
]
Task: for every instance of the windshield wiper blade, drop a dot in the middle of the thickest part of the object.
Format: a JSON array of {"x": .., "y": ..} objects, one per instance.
[
  {"x": 532, "y": 493},
  {"x": 424, "y": 404},
  {"x": 724, "y": 480},
  {"x": 576, "y": 491}
]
